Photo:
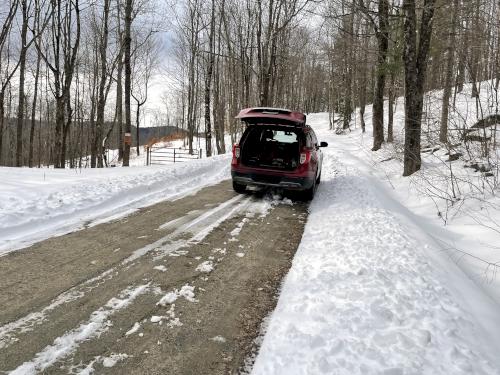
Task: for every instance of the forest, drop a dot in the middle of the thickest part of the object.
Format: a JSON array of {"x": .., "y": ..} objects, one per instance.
[{"x": 75, "y": 75}]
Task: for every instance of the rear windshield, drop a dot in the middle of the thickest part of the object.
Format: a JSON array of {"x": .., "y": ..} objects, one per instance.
[
  {"x": 285, "y": 136},
  {"x": 263, "y": 134}
]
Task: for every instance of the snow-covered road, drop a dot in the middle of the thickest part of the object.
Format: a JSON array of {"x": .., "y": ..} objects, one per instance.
[
  {"x": 179, "y": 287},
  {"x": 370, "y": 292}
]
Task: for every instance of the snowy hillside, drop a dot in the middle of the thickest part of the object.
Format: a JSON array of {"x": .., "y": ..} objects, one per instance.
[
  {"x": 448, "y": 194},
  {"x": 379, "y": 283}
]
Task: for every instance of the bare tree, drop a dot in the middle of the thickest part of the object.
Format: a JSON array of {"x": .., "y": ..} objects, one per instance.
[
  {"x": 415, "y": 60},
  {"x": 450, "y": 62},
  {"x": 143, "y": 63},
  {"x": 127, "y": 41},
  {"x": 208, "y": 82},
  {"x": 60, "y": 58},
  {"x": 7, "y": 71}
]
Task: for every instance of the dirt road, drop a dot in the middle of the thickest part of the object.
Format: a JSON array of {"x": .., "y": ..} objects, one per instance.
[{"x": 177, "y": 288}]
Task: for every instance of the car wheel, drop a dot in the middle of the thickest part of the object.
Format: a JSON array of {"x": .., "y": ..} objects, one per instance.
[
  {"x": 239, "y": 188},
  {"x": 308, "y": 194}
]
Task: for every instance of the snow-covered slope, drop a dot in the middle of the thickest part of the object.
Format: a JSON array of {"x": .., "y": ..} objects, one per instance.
[
  {"x": 379, "y": 284},
  {"x": 38, "y": 203}
]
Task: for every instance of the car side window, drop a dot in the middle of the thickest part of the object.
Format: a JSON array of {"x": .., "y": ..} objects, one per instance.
[
  {"x": 309, "y": 142},
  {"x": 315, "y": 140}
]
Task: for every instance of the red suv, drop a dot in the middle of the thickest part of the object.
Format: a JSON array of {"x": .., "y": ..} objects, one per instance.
[{"x": 277, "y": 149}]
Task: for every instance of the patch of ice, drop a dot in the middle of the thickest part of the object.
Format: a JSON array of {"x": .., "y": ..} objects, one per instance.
[
  {"x": 206, "y": 267},
  {"x": 156, "y": 319},
  {"x": 218, "y": 339},
  {"x": 236, "y": 231},
  {"x": 178, "y": 253},
  {"x": 160, "y": 268},
  {"x": 219, "y": 250},
  {"x": 113, "y": 359},
  {"x": 168, "y": 298},
  {"x": 186, "y": 291},
  {"x": 134, "y": 329},
  {"x": 174, "y": 323},
  {"x": 240, "y": 255}
]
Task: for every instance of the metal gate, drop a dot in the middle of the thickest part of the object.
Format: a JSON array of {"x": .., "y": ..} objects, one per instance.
[{"x": 163, "y": 155}]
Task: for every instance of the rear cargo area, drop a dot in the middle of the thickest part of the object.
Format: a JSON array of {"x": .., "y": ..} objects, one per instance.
[{"x": 271, "y": 147}]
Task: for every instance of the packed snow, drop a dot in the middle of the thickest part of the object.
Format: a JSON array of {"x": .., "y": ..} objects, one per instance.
[
  {"x": 186, "y": 291},
  {"x": 205, "y": 267},
  {"x": 160, "y": 268},
  {"x": 134, "y": 329},
  {"x": 113, "y": 359},
  {"x": 156, "y": 319}
]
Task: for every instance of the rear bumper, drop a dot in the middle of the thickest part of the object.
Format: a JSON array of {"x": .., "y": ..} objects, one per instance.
[{"x": 285, "y": 182}]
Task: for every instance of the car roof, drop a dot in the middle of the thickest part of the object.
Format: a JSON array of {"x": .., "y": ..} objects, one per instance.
[{"x": 267, "y": 115}]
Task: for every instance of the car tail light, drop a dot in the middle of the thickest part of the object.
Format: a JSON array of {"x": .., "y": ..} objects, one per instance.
[
  {"x": 236, "y": 154},
  {"x": 305, "y": 157}
]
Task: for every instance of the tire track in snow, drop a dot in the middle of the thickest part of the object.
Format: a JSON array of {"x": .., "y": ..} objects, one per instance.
[
  {"x": 200, "y": 227},
  {"x": 69, "y": 342}
]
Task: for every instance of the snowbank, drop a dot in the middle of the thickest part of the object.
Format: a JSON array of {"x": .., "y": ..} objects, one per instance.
[
  {"x": 362, "y": 297},
  {"x": 38, "y": 203},
  {"x": 375, "y": 287}
]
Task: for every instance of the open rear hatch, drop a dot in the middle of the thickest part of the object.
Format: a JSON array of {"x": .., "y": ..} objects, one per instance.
[
  {"x": 273, "y": 138},
  {"x": 271, "y": 146},
  {"x": 269, "y": 116}
]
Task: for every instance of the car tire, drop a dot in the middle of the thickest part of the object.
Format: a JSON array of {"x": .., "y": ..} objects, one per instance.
[
  {"x": 308, "y": 195},
  {"x": 239, "y": 188}
]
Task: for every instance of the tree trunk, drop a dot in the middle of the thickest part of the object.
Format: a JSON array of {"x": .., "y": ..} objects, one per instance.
[
  {"x": 101, "y": 104},
  {"x": 415, "y": 60},
  {"x": 363, "y": 84},
  {"x": 392, "y": 97},
  {"x": 208, "y": 82},
  {"x": 60, "y": 104},
  {"x": 464, "y": 47},
  {"x": 33, "y": 110},
  {"x": 66, "y": 131},
  {"x": 2, "y": 119},
  {"x": 22, "y": 76},
  {"x": 474, "y": 62},
  {"x": 450, "y": 57},
  {"x": 137, "y": 130},
  {"x": 119, "y": 84},
  {"x": 378, "y": 100},
  {"x": 128, "y": 71},
  {"x": 119, "y": 108}
]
